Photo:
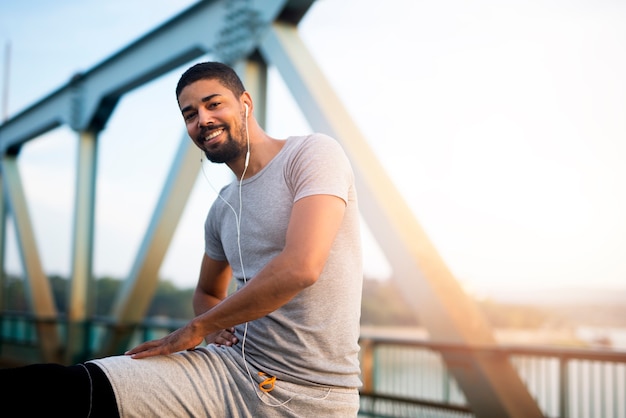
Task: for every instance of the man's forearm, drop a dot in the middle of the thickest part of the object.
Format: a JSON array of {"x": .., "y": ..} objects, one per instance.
[
  {"x": 202, "y": 302},
  {"x": 274, "y": 286}
]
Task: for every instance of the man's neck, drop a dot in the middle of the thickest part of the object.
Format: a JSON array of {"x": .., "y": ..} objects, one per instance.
[{"x": 263, "y": 149}]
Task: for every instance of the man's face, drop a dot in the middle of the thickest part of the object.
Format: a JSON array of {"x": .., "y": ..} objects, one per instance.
[{"x": 215, "y": 120}]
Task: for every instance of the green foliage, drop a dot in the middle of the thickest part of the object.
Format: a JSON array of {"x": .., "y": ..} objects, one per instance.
[
  {"x": 15, "y": 294},
  {"x": 172, "y": 302},
  {"x": 501, "y": 315},
  {"x": 384, "y": 305},
  {"x": 106, "y": 289},
  {"x": 168, "y": 301}
]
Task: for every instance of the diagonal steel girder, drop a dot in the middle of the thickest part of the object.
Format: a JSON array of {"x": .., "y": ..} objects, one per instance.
[
  {"x": 38, "y": 288},
  {"x": 490, "y": 383}
]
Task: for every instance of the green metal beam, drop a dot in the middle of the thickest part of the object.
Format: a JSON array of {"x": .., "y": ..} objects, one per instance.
[
  {"x": 138, "y": 289},
  {"x": 38, "y": 288},
  {"x": 80, "y": 305},
  {"x": 253, "y": 72}
]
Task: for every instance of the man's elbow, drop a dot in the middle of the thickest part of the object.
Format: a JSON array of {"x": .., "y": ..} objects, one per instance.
[
  {"x": 305, "y": 276},
  {"x": 301, "y": 269}
]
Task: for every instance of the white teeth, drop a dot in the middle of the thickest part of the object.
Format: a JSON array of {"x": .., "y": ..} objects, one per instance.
[{"x": 213, "y": 134}]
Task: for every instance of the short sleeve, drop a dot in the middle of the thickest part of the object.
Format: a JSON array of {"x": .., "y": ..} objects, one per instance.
[{"x": 320, "y": 166}]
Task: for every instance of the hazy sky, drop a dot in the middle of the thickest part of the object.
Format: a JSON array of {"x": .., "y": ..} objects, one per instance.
[{"x": 503, "y": 124}]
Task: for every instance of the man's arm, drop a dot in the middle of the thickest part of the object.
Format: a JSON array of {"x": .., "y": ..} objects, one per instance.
[
  {"x": 313, "y": 225},
  {"x": 212, "y": 287}
]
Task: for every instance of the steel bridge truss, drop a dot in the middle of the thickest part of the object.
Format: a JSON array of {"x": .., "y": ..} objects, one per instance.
[{"x": 248, "y": 34}]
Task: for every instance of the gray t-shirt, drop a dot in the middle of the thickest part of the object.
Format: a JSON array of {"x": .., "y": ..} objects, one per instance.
[{"x": 313, "y": 339}]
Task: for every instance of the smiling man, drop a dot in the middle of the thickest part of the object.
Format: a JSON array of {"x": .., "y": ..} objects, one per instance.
[{"x": 287, "y": 231}]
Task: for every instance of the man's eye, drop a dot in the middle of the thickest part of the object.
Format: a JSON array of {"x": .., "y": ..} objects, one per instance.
[
  {"x": 213, "y": 105},
  {"x": 189, "y": 116}
]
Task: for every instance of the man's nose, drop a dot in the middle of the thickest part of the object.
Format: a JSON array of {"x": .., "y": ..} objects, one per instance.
[{"x": 205, "y": 118}]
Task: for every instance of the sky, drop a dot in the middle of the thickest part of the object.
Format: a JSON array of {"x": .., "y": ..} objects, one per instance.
[{"x": 502, "y": 123}]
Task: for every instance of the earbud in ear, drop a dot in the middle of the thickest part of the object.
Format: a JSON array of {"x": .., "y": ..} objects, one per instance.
[{"x": 246, "y": 105}]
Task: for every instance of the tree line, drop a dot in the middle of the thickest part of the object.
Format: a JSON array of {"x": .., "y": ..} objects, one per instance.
[
  {"x": 383, "y": 303},
  {"x": 168, "y": 301}
]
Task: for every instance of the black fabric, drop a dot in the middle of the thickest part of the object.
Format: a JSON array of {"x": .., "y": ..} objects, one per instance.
[
  {"x": 56, "y": 390},
  {"x": 104, "y": 404}
]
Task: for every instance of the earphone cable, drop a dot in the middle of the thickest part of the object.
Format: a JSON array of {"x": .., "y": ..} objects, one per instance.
[{"x": 243, "y": 273}]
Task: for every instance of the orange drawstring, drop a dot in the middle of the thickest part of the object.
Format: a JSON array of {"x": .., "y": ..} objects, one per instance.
[{"x": 268, "y": 384}]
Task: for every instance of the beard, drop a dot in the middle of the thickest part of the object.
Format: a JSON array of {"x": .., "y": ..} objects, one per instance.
[
  {"x": 226, "y": 152},
  {"x": 229, "y": 150}
]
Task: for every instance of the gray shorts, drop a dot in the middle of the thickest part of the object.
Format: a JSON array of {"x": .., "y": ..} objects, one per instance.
[{"x": 215, "y": 382}]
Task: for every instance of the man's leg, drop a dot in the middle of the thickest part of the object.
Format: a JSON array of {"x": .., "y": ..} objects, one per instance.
[{"x": 81, "y": 390}]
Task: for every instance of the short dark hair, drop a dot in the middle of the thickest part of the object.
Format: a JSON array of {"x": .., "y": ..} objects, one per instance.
[{"x": 211, "y": 71}]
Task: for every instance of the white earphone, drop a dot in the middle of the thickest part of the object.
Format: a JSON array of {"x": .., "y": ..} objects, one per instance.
[{"x": 248, "y": 138}]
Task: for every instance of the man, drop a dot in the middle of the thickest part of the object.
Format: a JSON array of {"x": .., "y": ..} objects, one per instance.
[{"x": 287, "y": 230}]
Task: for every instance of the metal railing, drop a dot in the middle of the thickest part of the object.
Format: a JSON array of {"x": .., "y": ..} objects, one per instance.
[{"x": 406, "y": 377}]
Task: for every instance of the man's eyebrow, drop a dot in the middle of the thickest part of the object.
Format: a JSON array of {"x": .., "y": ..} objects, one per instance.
[{"x": 204, "y": 100}]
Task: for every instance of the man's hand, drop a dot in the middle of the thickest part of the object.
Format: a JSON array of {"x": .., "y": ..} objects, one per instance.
[
  {"x": 182, "y": 339},
  {"x": 223, "y": 337}
]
